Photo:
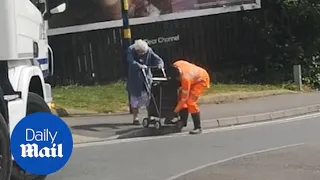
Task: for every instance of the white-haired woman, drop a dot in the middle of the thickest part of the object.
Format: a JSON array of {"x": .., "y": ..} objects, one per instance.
[{"x": 140, "y": 56}]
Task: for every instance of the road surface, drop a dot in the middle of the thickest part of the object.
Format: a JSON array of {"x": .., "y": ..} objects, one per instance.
[{"x": 289, "y": 150}]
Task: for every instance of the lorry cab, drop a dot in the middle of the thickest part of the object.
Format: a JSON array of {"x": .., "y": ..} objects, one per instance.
[{"x": 25, "y": 55}]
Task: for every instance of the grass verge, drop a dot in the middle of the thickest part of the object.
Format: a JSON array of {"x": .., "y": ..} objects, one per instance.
[{"x": 113, "y": 97}]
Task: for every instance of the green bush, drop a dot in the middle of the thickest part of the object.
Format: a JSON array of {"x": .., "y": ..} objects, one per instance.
[{"x": 288, "y": 33}]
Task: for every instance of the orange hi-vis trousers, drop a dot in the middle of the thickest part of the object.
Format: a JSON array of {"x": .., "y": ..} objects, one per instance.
[
  {"x": 194, "y": 80},
  {"x": 195, "y": 92}
]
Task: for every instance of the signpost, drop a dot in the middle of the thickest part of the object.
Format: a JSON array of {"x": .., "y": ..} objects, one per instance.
[
  {"x": 297, "y": 76},
  {"x": 126, "y": 35}
]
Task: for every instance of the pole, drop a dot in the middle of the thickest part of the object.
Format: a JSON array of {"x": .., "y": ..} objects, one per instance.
[
  {"x": 126, "y": 36},
  {"x": 297, "y": 76}
]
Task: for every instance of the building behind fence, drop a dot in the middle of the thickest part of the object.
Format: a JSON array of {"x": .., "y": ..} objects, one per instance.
[{"x": 225, "y": 44}]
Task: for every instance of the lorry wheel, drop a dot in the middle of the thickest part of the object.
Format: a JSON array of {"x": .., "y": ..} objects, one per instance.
[
  {"x": 5, "y": 153},
  {"x": 35, "y": 104}
]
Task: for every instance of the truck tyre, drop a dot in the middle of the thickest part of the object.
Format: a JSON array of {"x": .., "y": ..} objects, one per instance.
[
  {"x": 5, "y": 152},
  {"x": 35, "y": 104}
]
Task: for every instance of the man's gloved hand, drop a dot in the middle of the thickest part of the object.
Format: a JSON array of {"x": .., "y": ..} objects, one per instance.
[
  {"x": 159, "y": 66},
  {"x": 175, "y": 111},
  {"x": 170, "y": 117},
  {"x": 174, "y": 114}
]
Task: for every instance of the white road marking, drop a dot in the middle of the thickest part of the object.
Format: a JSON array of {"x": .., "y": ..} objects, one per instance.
[
  {"x": 205, "y": 131},
  {"x": 232, "y": 158}
]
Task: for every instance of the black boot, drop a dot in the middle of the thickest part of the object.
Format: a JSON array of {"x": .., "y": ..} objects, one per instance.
[
  {"x": 197, "y": 123},
  {"x": 184, "y": 114}
]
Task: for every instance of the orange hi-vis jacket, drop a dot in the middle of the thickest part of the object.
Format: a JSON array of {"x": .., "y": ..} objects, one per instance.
[{"x": 194, "y": 80}]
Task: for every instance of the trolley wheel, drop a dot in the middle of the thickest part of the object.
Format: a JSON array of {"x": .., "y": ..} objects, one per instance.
[
  {"x": 145, "y": 122},
  {"x": 179, "y": 124},
  {"x": 157, "y": 125}
]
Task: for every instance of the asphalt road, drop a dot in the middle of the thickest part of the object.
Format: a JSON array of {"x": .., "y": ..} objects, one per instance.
[{"x": 278, "y": 151}]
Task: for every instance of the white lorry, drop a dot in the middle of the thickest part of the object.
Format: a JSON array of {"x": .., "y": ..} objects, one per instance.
[{"x": 25, "y": 56}]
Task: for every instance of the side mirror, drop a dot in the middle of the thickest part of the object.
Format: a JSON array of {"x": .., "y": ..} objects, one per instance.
[{"x": 59, "y": 9}]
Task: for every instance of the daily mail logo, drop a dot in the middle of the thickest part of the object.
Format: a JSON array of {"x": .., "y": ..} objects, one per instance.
[
  {"x": 41, "y": 143},
  {"x": 33, "y": 150}
]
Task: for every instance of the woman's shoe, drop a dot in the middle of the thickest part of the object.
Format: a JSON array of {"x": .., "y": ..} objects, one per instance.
[{"x": 136, "y": 122}]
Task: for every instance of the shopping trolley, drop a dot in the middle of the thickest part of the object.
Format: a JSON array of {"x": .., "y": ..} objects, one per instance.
[{"x": 163, "y": 98}]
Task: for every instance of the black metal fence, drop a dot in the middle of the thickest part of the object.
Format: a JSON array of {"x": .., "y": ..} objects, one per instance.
[{"x": 224, "y": 44}]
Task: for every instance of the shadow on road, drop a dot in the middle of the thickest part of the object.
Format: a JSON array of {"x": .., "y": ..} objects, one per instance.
[
  {"x": 93, "y": 127},
  {"x": 123, "y": 130},
  {"x": 104, "y": 130},
  {"x": 145, "y": 132}
]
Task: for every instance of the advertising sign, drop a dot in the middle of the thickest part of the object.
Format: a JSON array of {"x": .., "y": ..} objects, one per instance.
[{"x": 100, "y": 14}]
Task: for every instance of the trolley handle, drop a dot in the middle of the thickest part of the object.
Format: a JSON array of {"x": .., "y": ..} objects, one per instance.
[{"x": 155, "y": 67}]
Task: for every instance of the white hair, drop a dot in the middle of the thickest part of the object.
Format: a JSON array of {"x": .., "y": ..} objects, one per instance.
[{"x": 141, "y": 45}]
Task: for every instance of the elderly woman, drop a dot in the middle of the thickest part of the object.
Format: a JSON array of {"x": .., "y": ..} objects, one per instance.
[{"x": 139, "y": 57}]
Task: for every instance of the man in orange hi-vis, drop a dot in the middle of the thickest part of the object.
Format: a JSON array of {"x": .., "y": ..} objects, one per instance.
[{"x": 194, "y": 80}]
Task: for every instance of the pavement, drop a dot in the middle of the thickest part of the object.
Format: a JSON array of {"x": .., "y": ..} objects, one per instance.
[
  {"x": 287, "y": 149},
  {"x": 100, "y": 128}
]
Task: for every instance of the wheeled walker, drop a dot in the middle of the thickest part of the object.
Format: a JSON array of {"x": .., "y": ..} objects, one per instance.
[{"x": 163, "y": 98}]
